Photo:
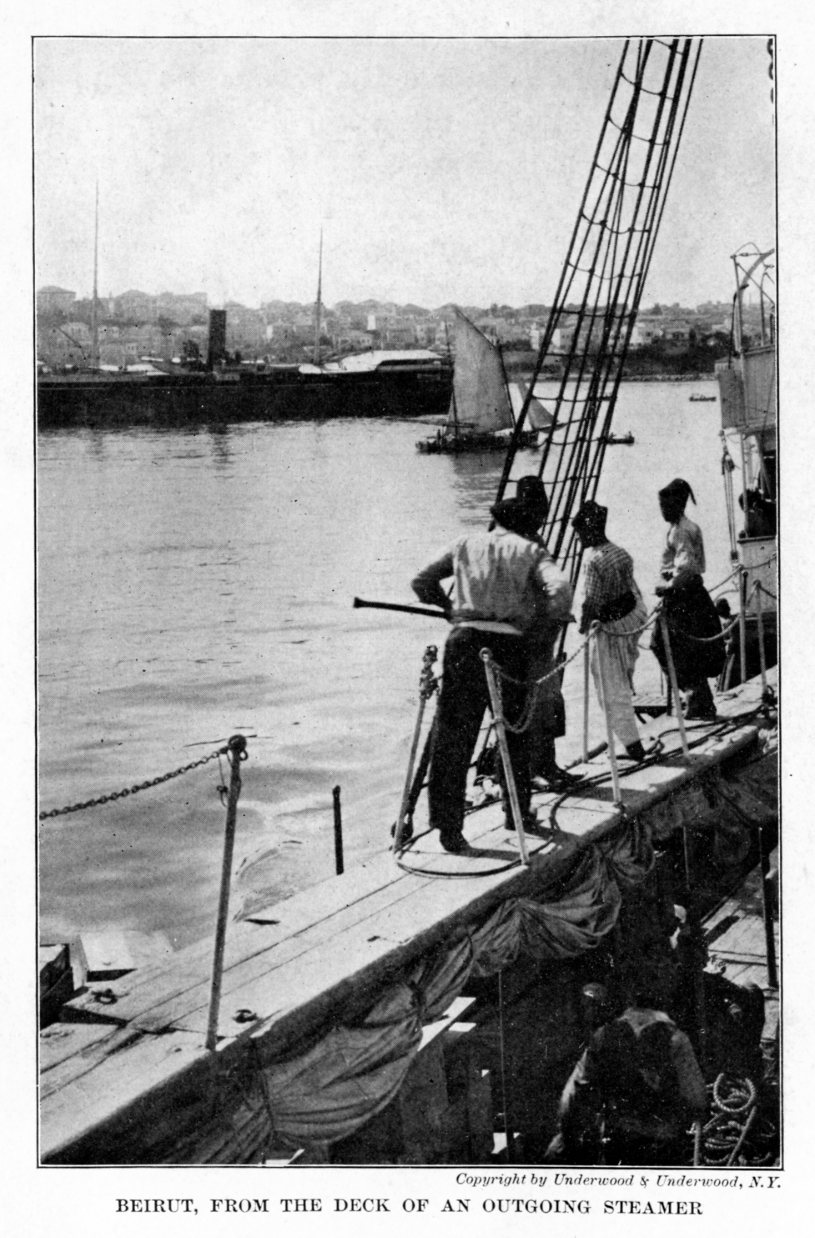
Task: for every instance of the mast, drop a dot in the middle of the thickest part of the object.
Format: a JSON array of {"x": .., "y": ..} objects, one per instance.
[
  {"x": 318, "y": 306},
  {"x": 94, "y": 317},
  {"x": 453, "y": 405}
]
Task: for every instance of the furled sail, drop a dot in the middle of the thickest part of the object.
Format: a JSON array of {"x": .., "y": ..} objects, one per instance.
[{"x": 480, "y": 400}]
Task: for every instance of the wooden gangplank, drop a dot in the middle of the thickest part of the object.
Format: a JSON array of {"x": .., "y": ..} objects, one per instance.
[{"x": 132, "y": 1050}]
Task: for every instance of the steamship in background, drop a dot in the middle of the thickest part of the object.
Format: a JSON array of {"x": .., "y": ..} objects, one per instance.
[{"x": 372, "y": 384}]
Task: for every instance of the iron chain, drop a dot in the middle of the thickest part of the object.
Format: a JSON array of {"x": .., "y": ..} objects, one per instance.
[{"x": 140, "y": 786}]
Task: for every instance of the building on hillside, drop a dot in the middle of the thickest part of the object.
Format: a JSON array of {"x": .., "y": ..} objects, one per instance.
[
  {"x": 427, "y": 333},
  {"x": 57, "y": 347},
  {"x": 119, "y": 353},
  {"x": 398, "y": 333},
  {"x": 181, "y": 308},
  {"x": 54, "y": 300},
  {"x": 646, "y": 331},
  {"x": 351, "y": 340},
  {"x": 136, "y": 306},
  {"x": 536, "y": 334}
]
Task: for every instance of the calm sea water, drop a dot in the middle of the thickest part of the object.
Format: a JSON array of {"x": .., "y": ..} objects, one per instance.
[{"x": 194, "y": 584}]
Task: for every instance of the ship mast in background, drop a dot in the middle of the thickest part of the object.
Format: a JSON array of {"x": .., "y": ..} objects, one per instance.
[
  {"x": 94, "y": 310},
  {"x": 318, "y": 308}
]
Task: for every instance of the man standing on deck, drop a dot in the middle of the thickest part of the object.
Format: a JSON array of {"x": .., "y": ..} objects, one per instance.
[
  {"x": 691, "y": 618},
  {"x": 612, "y": 597},
  {"x": 505, "y": 584}
]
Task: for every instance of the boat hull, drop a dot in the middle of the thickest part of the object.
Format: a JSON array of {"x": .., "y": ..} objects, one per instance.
[
  {"x": 450, "y": 444},
  {"x": 65, "y": 400}
]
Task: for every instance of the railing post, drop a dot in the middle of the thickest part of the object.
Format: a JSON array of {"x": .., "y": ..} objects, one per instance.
[
  {"x": 500, "y": 731},
  {"x": 586, "y": 660},
  {"x": 760, "y": 622},
  {"x": 427, "y": 686},
  {"x": 339, "y": 863},
  {"x": 767, "y": 910},
  {"x": 669, "y": 658},
  {"x": 601, "y": 676},
  {"x": 236, "y": 748},
  {"x": 743, "y": 624}
]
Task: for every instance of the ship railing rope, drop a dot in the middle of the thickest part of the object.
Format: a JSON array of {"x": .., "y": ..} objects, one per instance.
[
  {"x": 134, "y": 790},
  {"x": 534, "y": 687},
  {"x": 707, "y": 640}
]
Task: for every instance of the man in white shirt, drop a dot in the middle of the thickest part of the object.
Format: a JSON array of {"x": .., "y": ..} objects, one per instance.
[
  {"x": 692, "y": 619},
  {"x": 505, "y": 584}
]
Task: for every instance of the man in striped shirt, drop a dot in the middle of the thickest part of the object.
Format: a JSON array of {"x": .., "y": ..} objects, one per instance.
[{"x": 612, "y": 598}]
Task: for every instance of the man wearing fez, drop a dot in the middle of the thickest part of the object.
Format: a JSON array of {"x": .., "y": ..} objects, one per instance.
[
  {"x": 691, "y": 617},
  {"x": 614, "y": 600},
  {"x": 505, "y": 586}
]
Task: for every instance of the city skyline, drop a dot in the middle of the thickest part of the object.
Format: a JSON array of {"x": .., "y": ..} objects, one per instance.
[{"x": 438, "y": 170}]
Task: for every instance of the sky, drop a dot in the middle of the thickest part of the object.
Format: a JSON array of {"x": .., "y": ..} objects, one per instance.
[{"x": 438, "y": 169}]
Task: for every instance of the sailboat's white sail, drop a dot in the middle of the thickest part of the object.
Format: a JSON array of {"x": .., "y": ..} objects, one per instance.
[
  {"x": 480, "y": 401},
  {"x": 538, "y": 416}
]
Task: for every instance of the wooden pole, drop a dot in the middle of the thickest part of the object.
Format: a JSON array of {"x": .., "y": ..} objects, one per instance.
[
  {"x": 427, "y": 686},
  {"x": 743, "y": 624},
  {"x": 767, "y": 908},
  {"x": 403, "y": 807},
  {"x": 500, "y": 731},
  {"x": 669, "y": 658},
  {"x": 612, "y": 753},
  {"x": 695, "y": 931},
  {"x": 340, "y": 866},
  {"x": 236, "y": 749},
  {"x": 586, "y": 671},
  {"x": 760, "y": 622}
]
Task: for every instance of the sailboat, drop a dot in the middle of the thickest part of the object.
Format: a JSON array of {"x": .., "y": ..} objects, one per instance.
[{"x": 481, "y": 416}]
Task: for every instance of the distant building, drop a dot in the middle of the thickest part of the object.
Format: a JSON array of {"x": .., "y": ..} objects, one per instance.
[
  {"x": 536, "y": 333},
  {"x": 51, "y": 300},
  {"x": 646, "y": 330},
  {"x": 181, "y": 308},
  {"x": 137, "y": 306}
]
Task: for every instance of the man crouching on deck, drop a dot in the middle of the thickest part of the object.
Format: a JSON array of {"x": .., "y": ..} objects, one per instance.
[{"x": 505, "y": 585}]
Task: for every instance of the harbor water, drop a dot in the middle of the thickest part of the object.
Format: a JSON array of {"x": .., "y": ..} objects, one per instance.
[{"x": 194, "y": 584}]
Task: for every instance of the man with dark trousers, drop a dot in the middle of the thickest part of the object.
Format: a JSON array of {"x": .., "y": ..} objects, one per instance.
[{"x": 505, "y": 585}]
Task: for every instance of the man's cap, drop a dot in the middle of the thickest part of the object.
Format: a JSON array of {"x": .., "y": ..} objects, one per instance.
[
  {"x": 530, "y": 490},
  {"x": 528, "y": 507},
  {"x": 591, "y": 517},
  {"x": 677, "y": 489}
]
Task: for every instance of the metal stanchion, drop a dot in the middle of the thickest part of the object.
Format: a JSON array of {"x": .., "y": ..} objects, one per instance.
[
  {"x": 236, "y": 748},
  {"x": 339, "y": 862},
  {"x": 743, "y": 624},
  {"x": 586, "y": 672},
  {"x": 762, "y": 657},
  {"x": 427, "y": 686},
  {"x": 669, "y": 658},
  {"x": 601, "y": 668},
  {"x": 767, "y": 910},
  {"x": 501, "y": 734},
  {"x": 695, "y": 930}
]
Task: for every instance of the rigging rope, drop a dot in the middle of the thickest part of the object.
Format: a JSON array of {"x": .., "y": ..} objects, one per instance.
[{"x": 602, "y": 279}]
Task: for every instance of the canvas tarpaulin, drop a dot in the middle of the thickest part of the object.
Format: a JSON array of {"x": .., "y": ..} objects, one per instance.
[{"x": 353, "y": 1072}]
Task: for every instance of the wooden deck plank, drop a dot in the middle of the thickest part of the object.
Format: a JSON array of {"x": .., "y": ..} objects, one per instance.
[
  {"x": 59, "y": 1042},
  {"x": 117, "y": 1082},
  {"x": 145, "y": 991},
  {"x": 238, "y": 980}
]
